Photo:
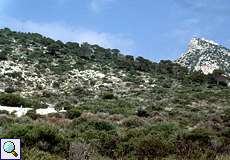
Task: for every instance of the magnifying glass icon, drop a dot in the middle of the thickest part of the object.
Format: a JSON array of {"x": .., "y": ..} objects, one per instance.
[{"x": 9, "y": 147}]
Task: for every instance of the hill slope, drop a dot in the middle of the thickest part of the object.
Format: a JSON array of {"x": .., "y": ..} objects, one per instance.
[{"x": 115, "y": 107}]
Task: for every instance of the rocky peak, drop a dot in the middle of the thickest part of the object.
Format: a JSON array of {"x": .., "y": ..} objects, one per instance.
[
  {"x": 205, "y": 55},
  {"x": 194, "y": 44},
  {"x": 197, "y": 43}
]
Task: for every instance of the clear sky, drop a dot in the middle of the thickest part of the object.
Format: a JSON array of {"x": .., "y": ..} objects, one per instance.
[{"x": 154, "y": 29}]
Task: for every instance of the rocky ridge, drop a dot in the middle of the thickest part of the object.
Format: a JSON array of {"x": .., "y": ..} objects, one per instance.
[{"x": 206, "y": 56}]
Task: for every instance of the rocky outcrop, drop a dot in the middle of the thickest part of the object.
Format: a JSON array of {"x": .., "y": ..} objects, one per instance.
[{"x": 206, "y": 56}]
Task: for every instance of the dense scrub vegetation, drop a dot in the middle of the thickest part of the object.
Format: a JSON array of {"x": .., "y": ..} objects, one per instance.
[{"x": 165, "y": 113}]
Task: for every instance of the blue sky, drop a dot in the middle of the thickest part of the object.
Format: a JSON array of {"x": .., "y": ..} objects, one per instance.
[{"x": 154, "y": 29}]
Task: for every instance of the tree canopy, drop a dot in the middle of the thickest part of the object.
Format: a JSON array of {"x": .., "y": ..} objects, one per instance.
[
  {"x": 53, "y": 48},
  {"x": 217, "y": 73}
]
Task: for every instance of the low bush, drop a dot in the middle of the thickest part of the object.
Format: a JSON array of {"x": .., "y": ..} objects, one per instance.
[
  {"x": 108, "y": 95},
  {"x": 14, "y": 100},
  {"x": 56, "y": 84},
  {"x": 196, "y": 109},
  {"x": 32, "y": 114},
  {"x": 83, "y": 151},
  {"x": 102, "y": 125},
  {"x": 198, "y": 134},
  {"x": 126, "y": 79},
  {"x": 3, "y": 55},
  {"x": 133, "y": 121},
  {"x": 39, "y": 87},
  {"x": 226, "y": 132},
  {"x": 78, "y": 90},
  {"x": 142, "y": 113},
  {"x": 63, "y": 104},
  {"x": 45, "y": 137},
  {"x": 37, "y": 104},
  {"x": 154, "y": 108},
  {"x": 15, "y": 75},
  {"x": 166, "y": 129},
  {"x": 226, "y": 115},
  {"x": 46, "y": 94},
  {"x": 75, "y": 122},
  {"x": 4, "y": 112},
  {"x": 35, "y": 153},
  {"x": 73, "y": 113},
  {"x": 24, "y": 120},
  {"x": 92, "y": 82},
  {"x": 166, "y": 85},
  {"x": 117, "y": 111},
  {"x": 153, "y": 147},
  {"x": 6, "y": 120},
  {"x": 10, "y": 90}
]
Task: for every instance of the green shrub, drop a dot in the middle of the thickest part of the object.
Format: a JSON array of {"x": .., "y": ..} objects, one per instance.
[
  {"x": 153, "y": 147},
  {"x": 161, "y": 77},
  {"x": 78, "y": 90},
  {"x": 196, "y": 109},
  {"x": 132, "y": 121},
  {"x": 84, "y": 107},
  {"x": 37, "y": 104},
  {"x": 108, "y": 95},
  {"x": 4, "y": 112},
  {"x": 35, "y": 153},
  {"x": 56, "y": 84},
  {"x": 46, "y": 94},
  {"x": 73, "y": 113},
  {"x": 63, "y": 104},
  {"x": 198, "y": 89},
  {"x": 197, "y": 134},
  {"x": 109, "y": 146},
  {"x": 3, "y": 55},
  {"x": 154, "y": 108},
  {"x": 10, "y": 90},
  {"x": 117, "y": 111},
  {"x": 226, "y": 132},
  {"x": 7, "y": 121},
  {"x": 166, "y": 85},
  {"x": 142, "y": 113},
  {"x": 166, "y": 129},
  {"x": 90, "y": 134},
  {"x": 222, "y": 83},
  {"x": 39, "y": 87},
  {"x": 102, "y": 125},
  {"x": 43, "y": 136},
  {"x": 83, "y": 151},
  {"x": 123, "y": 104},
  {"x": 32, "y": 114},
  {"x": 14, "y": 74},
  {"x": 92, "y": 83},
  {"x": 14, "y": 100},
  {"x": 126, "y": 79},
  {"x": 61, "y": 80},
  {"x": 75, "y": 122},
  {"x": 24, "y": 120}
]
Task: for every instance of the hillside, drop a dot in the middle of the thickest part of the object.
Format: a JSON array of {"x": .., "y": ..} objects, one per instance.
[
  {"x": 107, "y": 105},
  {"x": 206, "y": 56}
]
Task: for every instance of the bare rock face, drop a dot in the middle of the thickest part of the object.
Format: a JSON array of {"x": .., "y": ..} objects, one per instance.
[
  {"x": 206, "y": 56},
  {"x": 194, "y": 44}
]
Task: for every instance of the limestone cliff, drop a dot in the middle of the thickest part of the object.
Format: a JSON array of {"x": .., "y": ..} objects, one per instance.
[{"x": 206, "y": 56}]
